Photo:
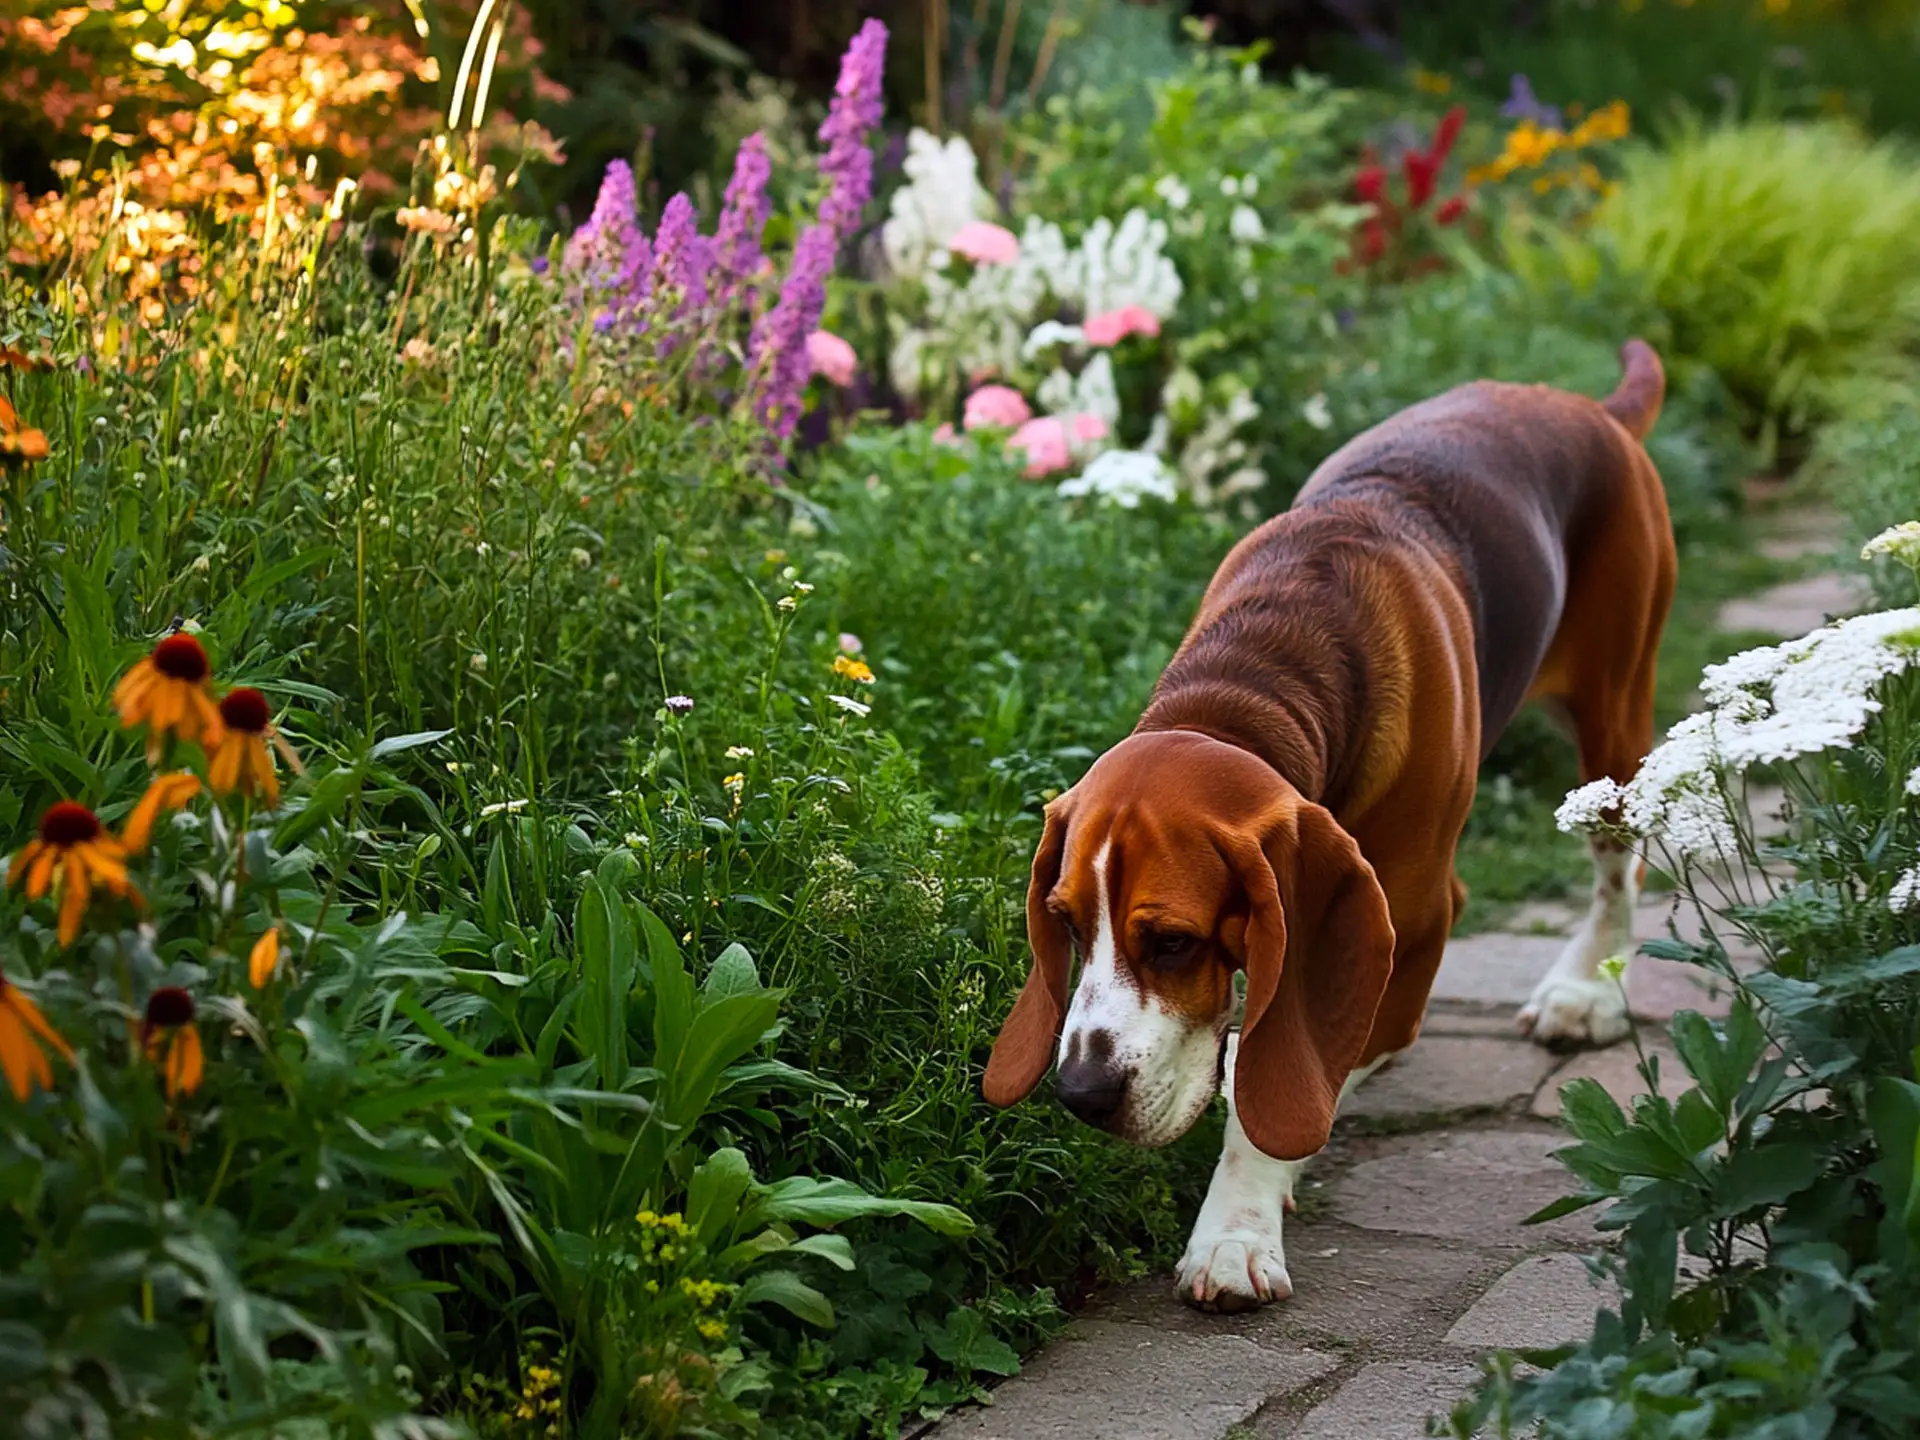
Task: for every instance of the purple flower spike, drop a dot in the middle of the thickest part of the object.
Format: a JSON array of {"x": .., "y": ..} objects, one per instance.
[
  {"x": 778, "y": 350},
  {"x": 743, "y": 215},
  {"x": 856, "y": 108},
  {"x": 608, "y": 257}
]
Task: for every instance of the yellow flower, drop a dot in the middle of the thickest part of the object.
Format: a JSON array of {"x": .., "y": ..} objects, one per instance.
[
  {"x": 1427, "y": 82},
  {"x": 264, "y": 958},
  {"x": 25, "y": 1040},
  {"x": 172, "y": 1041},
  {"x": 75, "y": 848},
  {"x": 168, "y": 693},
  {"x": 1529, "y": 144},
  {"x": 241, "y": 761},
  {"x": 712, "y": 1329},
  {"x": 167, "y": 792},
  {"x": 1612, "y": 121},
  {"x": 853, "y": 669}
]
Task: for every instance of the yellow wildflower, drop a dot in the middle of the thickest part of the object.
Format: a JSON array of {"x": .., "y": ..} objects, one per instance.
[
  {"x": 1428, "y": 82},
  {"x": 852, "y": 669}
]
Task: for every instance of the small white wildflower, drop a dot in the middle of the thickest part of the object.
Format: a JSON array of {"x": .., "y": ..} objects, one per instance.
[
  {"x": 582, "y": 558},
  {"x": 1905, "y": 892},
  {"x": 1586, "y": 807},
  {"x": 477, "y": 662},
  {"x": 1049, "y": 333},
  {"x": 202, "y": 564},
  {"x": 739, "y": 752},
  {"x": 1316, "y": 412},
  {"x": 1913, "y": 782},
  {"x": 786, "y": 603},
  {"x": 483, "y": 549},
  {"x": 1249, "y": 185},
  {"x": 1123, "y": 478},
  {"x": 801, "y": 587},
  {"x": 634, "y": 840},
  {"x": 1169, "y": 189},
  {"x": 679, "y": 704},
  {"x": 502, "y": 807},
  {"x": 1230, "y": 186},
  {"x": 1901, "y": 542},
  {"x": 851, "y": 705},
  {"x": 1245, "y": 225}
]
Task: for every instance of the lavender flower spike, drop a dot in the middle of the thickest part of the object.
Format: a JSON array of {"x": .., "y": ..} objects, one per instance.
[
  {"x": 743, "y": 215},
  {"x": 856, "y": 109},
  {"x": 609, "y": 255},
  {"x": 778, "y": 349}
]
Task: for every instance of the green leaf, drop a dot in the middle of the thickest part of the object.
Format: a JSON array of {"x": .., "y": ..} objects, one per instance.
[
  {"x": 809, "y": 1201},
  {"x": 714, "y": 1194},
  {"x": 1766, "y": 1175},
  {"x": 732, "y": 973},
  {"x": 836, "y": 1250},
  {"x": 787, "y": 1290},
  {"x": 672, "y": 992},
  {"x": 394, "y": 744},
  {"x": 1589, "y": 1111},
  {"x": 964, "y": 1342},
  {"x": 605, "y": 941}
]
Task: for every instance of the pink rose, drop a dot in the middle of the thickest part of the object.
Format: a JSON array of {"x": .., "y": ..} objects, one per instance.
[
  {"x": 832, "y": 357},
  {"x": 985, "y": 243},
  {"x": 1045, "y": 443},
  {"x": 944, "y": 434},
  {"x": 1087, "y": 428},
  {"x": 996, "y": 405},
  {"x": 1112, "y": 326}
]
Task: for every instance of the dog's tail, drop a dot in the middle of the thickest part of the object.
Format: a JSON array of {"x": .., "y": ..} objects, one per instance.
[{"x": 1636, "y": 401}]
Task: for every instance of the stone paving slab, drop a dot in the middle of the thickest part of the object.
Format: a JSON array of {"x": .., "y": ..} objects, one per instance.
[
  {"x": 1545, "y": 1300},
  {"x": 1470, "y": 1185},
  {"x": 1792, "y": 609},
  {"x": 1450, "y": 1076},
  {"x": 1352, "y": 1288},
  {"x": 1494, "y": 968},
  {"x": 1617, "y": 1070},
  {"x": 1125, "y": 1382},
  {"x": 1389, "y": 1400}
]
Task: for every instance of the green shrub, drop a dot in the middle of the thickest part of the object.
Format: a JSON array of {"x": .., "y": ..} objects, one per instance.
[
  {"x": 1786, "y": 258},
  {"x": 1870, "y": 466},
  {"x": 1767, "y": 1217}
]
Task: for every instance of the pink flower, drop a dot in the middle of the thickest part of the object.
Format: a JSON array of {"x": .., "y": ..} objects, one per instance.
[
  {"x": 850, "y": 643},
  {"x": 831, "y": 356},
  {"x": 996, "y": 405},
  {"x": 1113, "y": 326},
  {"x": 985, "y": 243},
  {"x": 944, "y": 434},
  {"x": 1045, "y": 443},
  {"x": 1087, "y": 427}
]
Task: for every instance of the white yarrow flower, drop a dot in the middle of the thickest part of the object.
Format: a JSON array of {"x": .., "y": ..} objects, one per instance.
[
  {"x": 1901, "y": 542},
  {"x": 1317, "y": 413},
  {"x": 1123, "y": 478}
]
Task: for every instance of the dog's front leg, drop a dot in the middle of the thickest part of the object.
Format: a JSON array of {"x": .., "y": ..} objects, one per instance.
[{"x": 1235, "y": 1259}]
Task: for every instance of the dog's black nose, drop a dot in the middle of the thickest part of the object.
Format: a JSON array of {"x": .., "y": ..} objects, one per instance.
[{"x": 1093, "y": 1090}]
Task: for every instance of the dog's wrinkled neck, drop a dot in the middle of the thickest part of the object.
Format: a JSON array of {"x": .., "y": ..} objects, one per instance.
[{"x": 1294, "y": 740}]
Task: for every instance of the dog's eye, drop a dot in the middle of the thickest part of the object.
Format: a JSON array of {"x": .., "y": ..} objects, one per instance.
[{"x": 1167, "y": 950}]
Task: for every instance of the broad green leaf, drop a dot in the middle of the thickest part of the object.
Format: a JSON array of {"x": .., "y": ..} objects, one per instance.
[
  {"x": 672, "y": 993},
  {"x": 1766, "y": 1175},
  {"x": 836, "y": 1250},
  {"x": 732, "y": 973},
  {"x": 714, "y": 1194},
  {"x": 791, "y": 1293},
  {"x": 1589, "y": 1111},
  {"x": 810, "y": 1201},
  {"x": 394, "y": 744},
  {"x": 964, "y": 1342}
]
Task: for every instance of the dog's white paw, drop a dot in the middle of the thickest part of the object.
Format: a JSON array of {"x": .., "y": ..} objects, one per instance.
[
  {"x": 1565, "y": 1012},
  {"x": 1233, "y": 1270}
]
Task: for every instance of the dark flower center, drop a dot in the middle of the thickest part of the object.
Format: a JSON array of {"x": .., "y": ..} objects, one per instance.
[
  {"x": 179, "y": 657},
  {"x": 170, "y": 1008},
  {"x": 68, "y": 823},
  {"x": 245, "y": 710}
]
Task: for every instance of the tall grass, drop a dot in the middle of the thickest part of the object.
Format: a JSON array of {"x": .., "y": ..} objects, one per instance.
[{"x": 1787, "y": 258}]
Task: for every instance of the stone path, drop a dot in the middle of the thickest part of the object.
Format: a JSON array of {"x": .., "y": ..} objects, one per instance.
[{"x": 1408, "y": 1258}]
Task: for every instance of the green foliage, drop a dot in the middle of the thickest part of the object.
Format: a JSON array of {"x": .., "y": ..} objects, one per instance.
[
  {"x": 1765, "y": 1216},
  {"x": 1786, "y": 257},
  {"x": 1870, "y": 465}
]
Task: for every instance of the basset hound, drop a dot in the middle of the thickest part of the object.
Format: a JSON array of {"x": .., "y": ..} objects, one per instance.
[{"x": 1289, "y": 804}]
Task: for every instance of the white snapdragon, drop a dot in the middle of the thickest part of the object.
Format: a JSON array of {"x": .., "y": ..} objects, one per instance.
[
  {"x": 1049, "y": 333},
  {"x": 1123, "y": 478},
  {"x": 1116, "y": 266},
  {"x": 941, "y": 197},
  {"x": 1092, "y": 392}
]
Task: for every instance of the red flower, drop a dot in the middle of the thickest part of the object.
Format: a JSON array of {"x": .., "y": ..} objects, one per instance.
[
  {"x": 1445, "y": 135},
  {"x": 1372, "y": 243},
  {"x": 1420, "y": 174},
  {"x": 1370, "y": 184},
  {"x": 1451, "y": 209}
]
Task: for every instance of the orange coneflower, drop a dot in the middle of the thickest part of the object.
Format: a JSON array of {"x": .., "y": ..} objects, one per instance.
[
  {"x": 167, "y": 792},
  {"x": 242, "y": 762},
  {"x": 171, "y": 1041},
  {"x": 168, "y": 692},
  {"x": 25, "y": 1039},
  {"x": 76, "y": 849},
  {"x": 264, "y": 958},
  {"x": 17, "y": 442}
]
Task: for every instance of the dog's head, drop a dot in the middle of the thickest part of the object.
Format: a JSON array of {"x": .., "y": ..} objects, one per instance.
[{"x": 1176, "y": 861}]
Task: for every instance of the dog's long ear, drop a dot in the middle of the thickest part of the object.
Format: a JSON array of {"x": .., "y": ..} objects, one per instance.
[
  {"x": 1319, "y": 949},
  {"x": 1024, "y": 1051}
]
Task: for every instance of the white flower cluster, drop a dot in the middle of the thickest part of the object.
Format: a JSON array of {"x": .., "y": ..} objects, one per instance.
[
  {"x": 942, "y": 197},
  {"x": 1212, "y": 461},
  {"x": 1091, "y": 392},
  {"x": 1123, "y": 478},
  {"x": 1777, "y": 703},
  {"x": 1905, "y": 892},
  {"x": 1901, "y": 543}
]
